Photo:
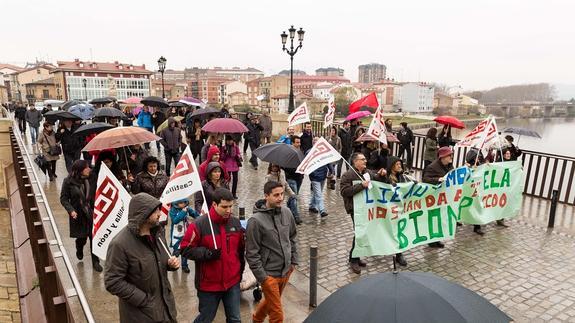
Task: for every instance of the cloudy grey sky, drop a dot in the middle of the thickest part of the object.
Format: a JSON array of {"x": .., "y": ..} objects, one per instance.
[{"x": 475, "y": 44}]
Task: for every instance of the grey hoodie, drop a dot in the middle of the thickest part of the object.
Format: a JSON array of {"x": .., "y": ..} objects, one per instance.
[{"x": 270, "y": 241}]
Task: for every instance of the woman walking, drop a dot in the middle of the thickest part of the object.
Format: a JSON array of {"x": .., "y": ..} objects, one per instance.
[
  {"x": 50, "y": 148},
  {"x": 231, "y": 157},
  {"x": 74, "y": 197},
  {"x": 214, "y": 180},
  {"x": 430, "y": 153}
]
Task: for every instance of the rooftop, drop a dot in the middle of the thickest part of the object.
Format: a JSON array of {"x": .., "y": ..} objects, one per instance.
[
  {"x": 48, "y": 81},
  {"x": 77, "y": 65}
]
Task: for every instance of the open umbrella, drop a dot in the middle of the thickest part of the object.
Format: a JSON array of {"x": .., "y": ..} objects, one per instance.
[
  {"x": 283, "y": 155},
  {"x": 193, "y": 101},
  {"x": 164, "y": 124},
  {"x": 53, "y": 116},
  {"x": 109, "y": 113},
  {"x": 120, "y": 137},
  {"x": 154, "y": 101},
  {"x": 357, "y": 115},
  {"x": 82, "y": 110},
  {"x": 225, "y": 125},
  {"x": 54, "y": 103},
  {"x": 450, "y": 121},
  {"x": 205, "y": 112},
  {"x": 104, "y": 100},
  {"x": 70, "y": 103},
  {"x": 132, "y": 100},
  {"x": 406, "y": 297},
  {"x": 522, "y": 132},
  {"x": 94, "y": 127},
  {"x": 177, "y": 104}
]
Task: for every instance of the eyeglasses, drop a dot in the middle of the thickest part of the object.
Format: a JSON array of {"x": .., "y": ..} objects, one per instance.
[{"x": 363, "y": 159}]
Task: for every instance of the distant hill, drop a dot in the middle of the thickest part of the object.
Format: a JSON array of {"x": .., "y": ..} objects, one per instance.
[
  {"x": 542, "y": 92},
  {"x": 564, "y": 91}
]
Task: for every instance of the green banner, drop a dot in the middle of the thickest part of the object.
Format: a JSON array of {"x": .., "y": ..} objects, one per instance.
[{"x": 392, "y": 219}]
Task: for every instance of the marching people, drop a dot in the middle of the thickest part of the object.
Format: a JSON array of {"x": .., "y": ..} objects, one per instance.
[
  {"x": 134, "y": 156},
  {"x": 357, "y": 146},
  {"x": 435, "y": 174},
  {"x": 74, "y": 198},
  {"x": 128, "y": 121},
  {"x": 474, "y": 158},
  {"x": 286, "y": 139},
  {"x": 145, "y": 121},
  {"x": 137, "y": 265},
  {"x": 430, "y": 152},
  {"x": 50, "y": 148},
  {"x": 267, "y": 124},
  {"x": 232, "y": 159},
  {"x": 275, "y": 174},
  {"x": 348, "y": 191},
  {"x": 378, "y": 158},
  {"x": 214, "y": 180},
  {"x": 271, "y": 250},
  {"x": 158, "y": 117},
  {"x": 195, "y": 137},
  {"x": 335, "y": 141},
  {"x": 213, "y": 156},
  {"x": 33, "y": 117},
  {"x": 211, "y": 141},
  {"x": 71, "y": 143},
  {"x": 345, "y": 136},
  {"x": 171, "y": 140},
  {"x": 306, "y": 138},
  {"x": 150, "y": 180},
  {"x": 444, "y": 139},
  {"x": 294, "y": 181},
  {"x": 405, "y": 136},
  {"x": 219, "y": 267},
  {"x": 181, "y": 214},
  {"x": 395, "y": 175},
  {"x": 514, "y": 150},
  {"x": 20, "y": 114},
  {"x": 253, "y": 138}
]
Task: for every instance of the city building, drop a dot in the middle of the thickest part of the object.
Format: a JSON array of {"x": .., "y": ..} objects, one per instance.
[
  {"x": 208, "y": 89},
  {"x": 322, "y": 90},
  {"x": 253, "y": 91},
  {"x": 417, "y": 97},
  {"x": 196, "y": 73},
  {"x": 4, "y": 94},
  {"x": 370, "y": 73},
  {"x": 6, "y": 70},
  {"x": 295, "y": 72},
  {"x": 41, "y": 90},
  {"x": 173, "y": 90},
  {"x": 229, "y": 87},
  {"x": 237, "y": 98},
  {"x": 329, "y": 71},
  {"x": 389, "y": 95},
  {"x": 19, "y": 79},
  {"x": 318, "y": 79},
  {"x": 84, "y": 80}
]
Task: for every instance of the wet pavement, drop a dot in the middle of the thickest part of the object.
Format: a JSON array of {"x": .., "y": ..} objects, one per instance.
[{"x": 525, "y": 270}]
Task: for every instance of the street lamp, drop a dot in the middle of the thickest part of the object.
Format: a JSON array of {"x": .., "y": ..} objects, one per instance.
[
  {"x": 291, "y": 52},
  {"x": 84, "y": 81},
  {"x": 161, "y": 68}
]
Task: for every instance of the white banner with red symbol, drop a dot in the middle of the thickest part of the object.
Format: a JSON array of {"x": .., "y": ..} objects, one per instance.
[
  {"x": 376, "y": 128},
  {"x": 483, "y": 135},
  {"x": 299, "y": 115},
  {"x": 110, "y": 211},
  {"x": 185, "y": 181},
  {"x": 322, "y": 153},
  {"x": 330, "y": 115}
]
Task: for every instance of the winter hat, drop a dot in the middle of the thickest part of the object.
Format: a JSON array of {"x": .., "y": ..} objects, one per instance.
[{"x": 444, "y": 152}]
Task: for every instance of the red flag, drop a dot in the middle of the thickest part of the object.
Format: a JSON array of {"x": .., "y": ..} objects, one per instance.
[{"x": 369, "y": 101}]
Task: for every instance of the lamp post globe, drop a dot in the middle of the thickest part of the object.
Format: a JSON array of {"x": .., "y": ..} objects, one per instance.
[
  {"x": 161, "y": 68},
  {"x": 291, "y": 51}
]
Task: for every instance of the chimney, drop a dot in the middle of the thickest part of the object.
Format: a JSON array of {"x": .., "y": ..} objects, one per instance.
[{"x": 76, "y": 60}]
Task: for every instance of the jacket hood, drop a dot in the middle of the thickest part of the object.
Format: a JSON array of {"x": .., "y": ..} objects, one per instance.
[
  {"x": 211, "y": 152},
  {"x": 260, "y": 206},
  {"x": 392, "y": 160},
  {"x": 141, "y": 206},
  {"x": 185, "y": 200},
  {"x": 211, "y": 167},
  {"x": 171, "y": 120}
]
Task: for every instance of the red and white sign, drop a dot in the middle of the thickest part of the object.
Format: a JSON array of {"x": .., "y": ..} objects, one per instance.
[
  {"x": 376, "y": 128},
  {"x": 330, "y": 115},
  {"x": 110, "y": 211},
  {"x": 322, "y": 153},
  {"x": 184, "y": 182},
  {"x": 481, "y": 136},
  {"x": 299, "y": 115}
]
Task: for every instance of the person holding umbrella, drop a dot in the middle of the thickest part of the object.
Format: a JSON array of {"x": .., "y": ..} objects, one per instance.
[
  {"x": 514, "y": 150},
  {"x": 195, "y": 138},
  {"x": 231, "y": 157},
  {"x": 50, "y": 148},
  {"x": 294, "y": 180},
  {"x": 71, "y": 143},
  {"x": 345, "y": 136},
  {"x": 405, "y": 136},
  {"x": 253, "y": 138},
  {"x": 431, "y": 147},
  {"x": 444, "y": 139},
  {"x": 171, "y": 140}
]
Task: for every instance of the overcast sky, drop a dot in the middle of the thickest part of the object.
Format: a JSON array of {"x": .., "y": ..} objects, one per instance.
[{"x": 475, "y": 44}]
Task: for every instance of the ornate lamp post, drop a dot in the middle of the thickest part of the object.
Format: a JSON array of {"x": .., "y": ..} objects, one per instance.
[
  {"x": 291, "y": 52},
  {"x": 161, "y": 68}
]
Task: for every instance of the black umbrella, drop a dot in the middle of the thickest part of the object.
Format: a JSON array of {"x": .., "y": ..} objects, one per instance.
[
  {"x": 154, "y": 101},
  {"x": 53, "y": 116},
  {"x": 94, "y": 127},
  {"x": 202, "y": 113},
  {"x": 283, "y": 155},
  {"x": 406, "y": 297},
  {"x": 177, "y": 104},
  {"x": 522, "y": 132},
  {"x": 109, "y": 113},
  {"x": 104, "y": 100},
  {"x": 70, "y": 103}
]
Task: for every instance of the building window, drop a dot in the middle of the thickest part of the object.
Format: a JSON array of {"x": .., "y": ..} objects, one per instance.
[
  {"x": 38, "y": 71},
  {"x": 45, "y": 94}
]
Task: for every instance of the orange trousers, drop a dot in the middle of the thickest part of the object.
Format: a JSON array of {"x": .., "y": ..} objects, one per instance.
[{"x": 271, "y": 305}]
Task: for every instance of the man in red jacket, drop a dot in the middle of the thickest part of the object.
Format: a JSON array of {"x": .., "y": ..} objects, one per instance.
[{"x": 219, "y": 267}]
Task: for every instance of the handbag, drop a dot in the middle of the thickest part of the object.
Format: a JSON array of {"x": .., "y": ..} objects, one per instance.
[
  {"x": 53, "y": 150},
  {"x": 42, "y": 163}
]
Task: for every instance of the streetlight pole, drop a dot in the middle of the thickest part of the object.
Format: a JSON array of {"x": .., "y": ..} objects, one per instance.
[
  {"x": 161, "y": 68},
  {"x": 291, "y": 52},
  {"x": 84, "y": 81}
]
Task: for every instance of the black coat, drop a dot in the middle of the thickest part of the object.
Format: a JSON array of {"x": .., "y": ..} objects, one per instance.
[
  {"x": 346, "y": 142},
  {"x": 306, "y": 141},
  {"x": 71, "y": 144},
  {"x": 405, "y": 136},
  {"x": 254, "y": 134},
  {"x": 20, "y": 112},
  {"x": 73, "y": 198},
  {"x": 378, "y": 159}
]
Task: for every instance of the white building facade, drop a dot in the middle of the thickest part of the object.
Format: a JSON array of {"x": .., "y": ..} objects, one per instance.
[{"x": 416, "y": 98}]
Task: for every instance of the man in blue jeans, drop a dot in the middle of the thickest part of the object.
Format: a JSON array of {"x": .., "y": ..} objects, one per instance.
[{"x": 294, "y": 181}]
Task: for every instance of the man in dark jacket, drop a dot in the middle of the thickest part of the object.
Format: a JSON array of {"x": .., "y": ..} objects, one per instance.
[
  {"x": 294, "y": 181},
  {"x": 71, "y": 143},
  {"x": 158, "y": 117},
  {"x": 20, "y": 114},
  {"x": 348, "y": 191},
  {"x": 345, "y": 135},
  {"x": 137, "y": 265},
  {"x": 271, "y": 250},
  {"x": 253, "y": 138},
  {"x": 515, "y": 151},
  {"x": 34, "y": 117},
  {"x": 171, "y": 140},
  {"x": 219, "y": 267},
  {"x": 405, "y": 136},
  {"x": 306, "y": 138},
  {"x": 435, "y": 174}
]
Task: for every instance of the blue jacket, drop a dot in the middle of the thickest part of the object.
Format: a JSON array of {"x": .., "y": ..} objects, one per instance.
[
  {"x": 284, "y": 139},
  {"x": 180, "y": 222},
  {"x": 319, "y": 174},
  {"x": 145, "y": 120}
]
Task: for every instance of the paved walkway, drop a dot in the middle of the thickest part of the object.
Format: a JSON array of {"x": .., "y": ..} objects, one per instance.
[
  {"x": 526, "y": 270},
  {"x": 9, "y": 297}
]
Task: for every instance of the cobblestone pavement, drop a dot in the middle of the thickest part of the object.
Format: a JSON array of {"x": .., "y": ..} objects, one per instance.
[
  {"x": 524, "y": 269},
  {"x": 9, "y": 296}
]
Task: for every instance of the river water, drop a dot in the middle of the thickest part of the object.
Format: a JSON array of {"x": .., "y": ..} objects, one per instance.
[{"x": 558, "y": 134}]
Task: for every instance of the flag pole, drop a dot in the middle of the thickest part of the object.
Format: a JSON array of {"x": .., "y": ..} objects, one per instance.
[
  {"x": 163, "y": 245},
  {"x": 348, "y": 164},
  {"x": 209, "y": 220}
]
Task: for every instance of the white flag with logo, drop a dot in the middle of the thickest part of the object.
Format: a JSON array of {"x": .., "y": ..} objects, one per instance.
[
  {"x": 110, "y": 211},
  {"x": 376, "y": 128},
  {"x": 322, "y": 153},
  {"x": 330, "y": 115},
  {"x": 185, "y": 179},
  {"x": 299, "y": 115},
  {"x": 481, "y": 136}
]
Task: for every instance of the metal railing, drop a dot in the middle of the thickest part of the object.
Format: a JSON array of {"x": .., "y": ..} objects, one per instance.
[{"x": 57, "y": 294}]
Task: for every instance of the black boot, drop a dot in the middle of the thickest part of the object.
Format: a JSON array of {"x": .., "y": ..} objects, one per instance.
[
  {"x": 477, "y": 229},
  {"x": 96, "y": 264},
  {"x": 400, "y": 259}
]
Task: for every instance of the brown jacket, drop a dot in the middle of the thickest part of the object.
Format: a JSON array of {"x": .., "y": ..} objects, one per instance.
[
  {"x": 434, "y": 172},
  {"x": 46, "y": 141},
  {"x": 348, "y": 189},
  {"x": 137, "y": 268}
]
